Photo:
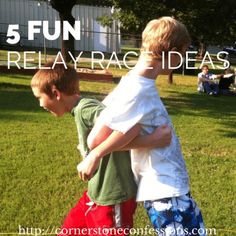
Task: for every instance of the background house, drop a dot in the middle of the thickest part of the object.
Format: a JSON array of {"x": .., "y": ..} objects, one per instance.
[{"x": 94, "y": 37}]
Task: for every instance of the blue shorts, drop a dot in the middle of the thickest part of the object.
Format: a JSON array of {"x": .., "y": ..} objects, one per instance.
[{"x": 176, "y": 216}]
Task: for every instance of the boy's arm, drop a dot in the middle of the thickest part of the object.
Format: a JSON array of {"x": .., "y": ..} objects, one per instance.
[
  {"x": 115, "y": 141},
  {"x": 161, "y": 137},
  {"x": 213, "y": 76},
  {"x": 98, "y": 134},
  {"x": 202, "y": 79}
]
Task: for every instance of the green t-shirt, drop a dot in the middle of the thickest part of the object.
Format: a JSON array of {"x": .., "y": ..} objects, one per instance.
[{"x": 113, "y": 182}]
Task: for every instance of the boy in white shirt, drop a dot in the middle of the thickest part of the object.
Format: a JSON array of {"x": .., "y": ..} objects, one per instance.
[
  {"x": 206, "y": 82},
  {"x": 161, "y": 174}
]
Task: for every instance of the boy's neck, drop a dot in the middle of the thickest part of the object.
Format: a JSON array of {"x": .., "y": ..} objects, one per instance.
[
  {"x": 144, "y": 65},
  {"x": 70, "y": 102}
]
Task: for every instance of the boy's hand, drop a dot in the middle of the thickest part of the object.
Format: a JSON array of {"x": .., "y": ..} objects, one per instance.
[
  {"x": 87, "y": 167},
  {"x": 162, "y": 136}
]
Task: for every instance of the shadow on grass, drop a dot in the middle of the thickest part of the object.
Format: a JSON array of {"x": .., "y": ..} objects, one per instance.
[
  {"x": 27, "y": 117},
  {"x": 222, "y": 109},
  {"x": 19, "y": 98},
  {"x": 14, "y": 86}
]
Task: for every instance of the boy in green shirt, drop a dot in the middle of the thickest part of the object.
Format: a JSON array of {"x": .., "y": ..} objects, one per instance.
[{"x": 109, "y": 203}]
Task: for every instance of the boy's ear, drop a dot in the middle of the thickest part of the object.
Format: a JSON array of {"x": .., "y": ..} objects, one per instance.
[{"x": 56, "y": 93}]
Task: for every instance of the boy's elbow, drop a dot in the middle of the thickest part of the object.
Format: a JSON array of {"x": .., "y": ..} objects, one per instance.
[
  {"x": 95, "y": 140},
  {"x": 91, "y": 146},
  {"x": 91, "y": 143}
]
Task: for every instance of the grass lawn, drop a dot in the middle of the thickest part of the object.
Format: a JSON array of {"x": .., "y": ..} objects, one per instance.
[{"x": 39, "y": 182}]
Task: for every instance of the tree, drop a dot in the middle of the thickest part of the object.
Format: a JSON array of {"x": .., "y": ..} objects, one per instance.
[
  {"x": 100, "y": 3},
  {"x": 64, "y": 8},
  {"x": 135, "y": 15},
  {"x": 208, "y": 21}
]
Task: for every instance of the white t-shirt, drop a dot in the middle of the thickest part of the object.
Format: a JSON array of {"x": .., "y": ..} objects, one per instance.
[{"x": 159, "y": 172}]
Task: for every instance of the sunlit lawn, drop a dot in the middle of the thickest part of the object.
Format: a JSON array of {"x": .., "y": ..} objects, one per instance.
[{"x": 39, "y": 182}]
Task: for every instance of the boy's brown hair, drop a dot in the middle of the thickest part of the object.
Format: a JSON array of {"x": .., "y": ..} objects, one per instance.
[
  {"x": 164, "y": 34},
  {"x": 65, "y": 80},
  {"x": 205, "y": 67}
]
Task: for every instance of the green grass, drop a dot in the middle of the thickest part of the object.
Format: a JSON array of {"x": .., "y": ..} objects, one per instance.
[{"x": 39, "y": 182}]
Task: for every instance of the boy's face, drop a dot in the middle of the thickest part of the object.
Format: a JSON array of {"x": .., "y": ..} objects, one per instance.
[
  {"x": 205, "y": 70},
  {"x": 52, "y": 105}
]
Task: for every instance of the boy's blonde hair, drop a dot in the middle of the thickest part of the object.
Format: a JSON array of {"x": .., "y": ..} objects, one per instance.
[
  {"x": 65, "y": 80},
  {"x": 164, "y": 34}
]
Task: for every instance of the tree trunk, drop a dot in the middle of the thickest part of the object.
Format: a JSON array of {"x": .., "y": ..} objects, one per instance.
[
  {"x": 137, "y": 42},
  {"x": 67, "y": 45},
  {"x": 170, "y": 78},
  {"x": 202, "y": 49}
]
